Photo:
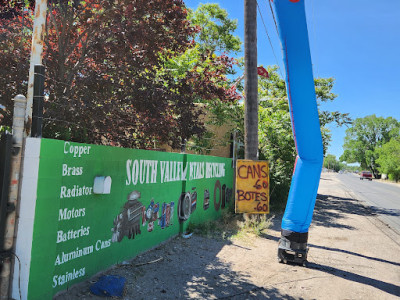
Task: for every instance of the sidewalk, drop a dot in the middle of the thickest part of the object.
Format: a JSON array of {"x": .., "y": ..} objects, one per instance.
[{"x": 352, "y": 256}]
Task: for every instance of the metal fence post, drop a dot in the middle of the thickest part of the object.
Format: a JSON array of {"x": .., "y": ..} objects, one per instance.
[
  {"x": 18, "y": 134},
  {"x": 5, "y": 161}
]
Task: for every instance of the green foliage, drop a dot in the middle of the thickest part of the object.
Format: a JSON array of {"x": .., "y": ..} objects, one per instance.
[
  {"x": 117, "y": 73},
  {"x": 275, "y": 130},
  {"x": 254, "y": 224},
  {"x": 331, "y": 163},
  {"x": 231, "y": 226},
  {"x": 277, "y": 147},
  {"x": 216, "y": 29},
  {"x": 276, "y": 144},
  {"x": 180, "y": 63},
  {"x": 224, "y": 228},
  {"x": 215, "y": 35},
  {"x": 389, "y": 158},
  {"x": 323, "y": 91},
  {"x": 203, "y": 144},
  {"x": 365, "y": 136},
  {"x": 4, "y": 129}
]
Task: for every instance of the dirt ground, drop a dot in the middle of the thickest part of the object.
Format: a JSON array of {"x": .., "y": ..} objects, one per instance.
[{"x": 352, "y": 256}]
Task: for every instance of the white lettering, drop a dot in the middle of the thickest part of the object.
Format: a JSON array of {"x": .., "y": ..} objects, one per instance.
[
  {"x": 148, "y": 163},
  {"x": 196, "y": 170},
  {"x": 76, "y": 151},
  {"x": 215, "y": 170},
  {"x": 72, "y": 234},
  {"x": 171, "y": 171},
  {"x": 76, "y": 191},
  {"x": 102, "y": 244},
  {"x": 183, "y": 172},
  {"x": 135, "y": 172},
  {"x": 144, "y": 171},
  {"x": 128, "y": 172},
  {"x": 65, "y": 257},
  {"x": 59, "y": 280},
  {"x": 142, "y": 174},
  {"x": 67, "y": 214},
  {"x": 178, "y": 170},
  {"x": 191, "y": 165},
  {"x": 154, "y": 172},
  {"x": 167, "y": 178},
  {"x": 162, "y": 165},
  {"x": 71, "y": 171}
]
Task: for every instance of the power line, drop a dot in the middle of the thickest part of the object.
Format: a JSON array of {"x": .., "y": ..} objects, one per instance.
[
  {"x": 313, "y": 31},
  {"x": 269, "y": 39},
  {"x": 273, "y": 16}
]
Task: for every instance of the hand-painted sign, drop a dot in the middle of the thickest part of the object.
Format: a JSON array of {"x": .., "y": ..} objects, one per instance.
[
  {"x": 87, "y": 207},
  {"x": 252, "y": 187}
]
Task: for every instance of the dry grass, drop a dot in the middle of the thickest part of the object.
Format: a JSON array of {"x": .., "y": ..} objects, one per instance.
[{"x": 233, "y": 226}]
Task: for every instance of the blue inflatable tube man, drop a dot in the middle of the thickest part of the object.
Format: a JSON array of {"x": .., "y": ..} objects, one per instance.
[{"x": 292, "y": 26}]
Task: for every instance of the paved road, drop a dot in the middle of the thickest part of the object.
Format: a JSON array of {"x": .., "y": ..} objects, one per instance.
[{"x": 384, "y": 197}]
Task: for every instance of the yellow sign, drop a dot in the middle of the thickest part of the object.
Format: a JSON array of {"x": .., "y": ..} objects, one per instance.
[{"x": 252, "y": 187}]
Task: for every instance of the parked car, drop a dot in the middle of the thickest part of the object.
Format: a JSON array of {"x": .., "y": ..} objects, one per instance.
[{"x": 366, "y": 175}]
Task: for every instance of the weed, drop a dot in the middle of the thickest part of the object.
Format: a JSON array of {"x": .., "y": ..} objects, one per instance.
[
  {"x": 255, "y": 224},
  {"x": 232, "y": 226}
]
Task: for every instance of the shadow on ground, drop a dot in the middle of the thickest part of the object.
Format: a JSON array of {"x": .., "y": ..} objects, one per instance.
[
  {"x": 184, "y": 269},
  {"x": 192, "y": 269},
  {"x": 378, "y": 284},
  {"x": 354, "y": 254},
  {"x": 330, "y": 210}
]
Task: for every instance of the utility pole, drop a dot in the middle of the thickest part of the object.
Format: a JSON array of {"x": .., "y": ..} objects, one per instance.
[
  {"x": 251, "y": 80},
  {"x": 39, "y": 25}
]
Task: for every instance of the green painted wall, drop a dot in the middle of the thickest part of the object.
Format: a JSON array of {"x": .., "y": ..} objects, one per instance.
[{"x": 78, "y": 233}]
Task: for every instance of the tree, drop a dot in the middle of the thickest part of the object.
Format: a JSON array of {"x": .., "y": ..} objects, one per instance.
[
  {"x": 389, "y": 158},
  {"x": 209, "y": 58},
  {"x": 365, "y": 136},
  {"x": 14, "y": 54},
  {"x": 106, "y": 80},
  {"x": 323, "y": 91},
  {"x": 216, "y": 29},
  {"x": 331, "y": 163},
  {"x": 275, "y": 129}
]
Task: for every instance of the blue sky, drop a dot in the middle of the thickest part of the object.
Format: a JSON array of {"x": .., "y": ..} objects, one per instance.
[{"x": 355, "y": 41}]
